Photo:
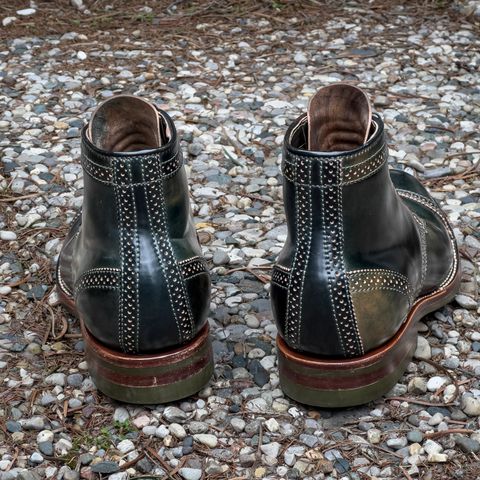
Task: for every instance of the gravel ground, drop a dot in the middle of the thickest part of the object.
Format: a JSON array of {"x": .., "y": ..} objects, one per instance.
[{"x": 232, "y": 87}]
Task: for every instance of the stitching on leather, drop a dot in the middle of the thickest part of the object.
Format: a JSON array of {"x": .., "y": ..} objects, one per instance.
[
  {"x": 368, "y": 280},
  {"x": 193, "y": 267},
  {"x": 105, "y": 174},
  {"x": 422, "y": 233},
  {"x": 282, "y": 267},
  {"x": 338, "y": 286},
  {"x": 188, "y": 260},
  {"x": 279, "y": 285},
  {"x": 151, "y": 198},
  {"x": 346, "y": 289},
  {"x": 60, "y": 280},
  {"x": 62, "y": 284},
  {"x": 129, "y": 315},
  {"x": 196, "y": 275},
  {"x": 91, "y": 287},
  {"x": 303, "y": 216},
  {"x": 121, "y": 252},
  {"x": 98, "y": 277},
  {"x": 426, "y": 202},
  {"x": 176, "y": 287},
  {"x": 351, "y": 174},
  {"x": 328, "y": 265},
  {"x": 280, "y": 277}
]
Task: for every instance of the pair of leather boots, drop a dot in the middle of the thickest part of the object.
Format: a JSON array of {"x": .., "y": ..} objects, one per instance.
[{"x": 368, "y": 253}]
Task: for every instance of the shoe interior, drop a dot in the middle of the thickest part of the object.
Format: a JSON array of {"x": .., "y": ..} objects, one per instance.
[
  {"x": 125, "y": 123},
  {"x": 339, "y": 119}
]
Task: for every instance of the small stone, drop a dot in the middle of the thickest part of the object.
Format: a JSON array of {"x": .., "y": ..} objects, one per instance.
[
  {"x": 46, "y": 448},
  {"x": 209, "y": 440},
  {"x": 174, "y": 415},
  {"x": 69, "y": 474},
  {"x": 271, "y": 449},
  {"x": 26, "y": 11},
  {"x": 119, "y": 476},
  {"x": 195, "y": 149},
  {"x": 190, "y": 473},
  {"x": 121, "y": 415},
  {"x": 397, "y": 443},
  {"x": 17, "y": 437},
  {"x": 161, "y": 431},
  {"x": 238, "y": 424},
  {"x": 81, "y": 55},
  {"x": 86, "y": 458},
  {"x": 437, "y": 458},
  {"x": 141, "y": 421},
  {"x": 246, "y": 460},
  {"x": 436, "y": 419},
  {"x": 300, "y": 58},
  {"x": 435, "y": 383},
  {"x": 341, "y": 465},
  {"x": 415, "y": 436},
  {"x": 260, "y": 472},
  {"x": 417, "y": 386},
  {"x": 149, "y": 430},
  {"x": 75, "y": 379},
  {"x": 220, "y": 257},
  {"x": 105, "y": 467},
  {"x": 125, "y": 446},
  {"x": 13, "y": 426},
  {"x": 36, "y": 458},
  {"x": 471, "y": 406},
  {"x": 7, "y": 235},
  {"x": 34, "y": 423},
  {"x": 467, "y": 445},
  {"x": 466, "y": 302},
  {"x": 272, "y": 425},
  {"x": 8, "y": 21},
  {"x": 177, "y": 431},
  {"x": 423, "y": 350},
  {"x": 63, "y": 446},
  {"x": 57, "y": 379},
  {"x": 45, "y": 436},
  {"x": 374, "y": 436},
  {"x": 432, "y": 447}
]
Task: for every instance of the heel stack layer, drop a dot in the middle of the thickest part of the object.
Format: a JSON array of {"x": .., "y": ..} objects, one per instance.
[{"x": 153, "y": 378}]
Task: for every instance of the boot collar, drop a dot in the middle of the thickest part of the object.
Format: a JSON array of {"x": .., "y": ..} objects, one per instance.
[
  {"x": 102, "y": 165},
  {"x": 353, "y": 165}
]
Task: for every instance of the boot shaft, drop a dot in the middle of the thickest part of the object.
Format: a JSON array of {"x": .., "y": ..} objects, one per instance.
[
  {"x": 348, "y": 231},
  {"x": 138, "y": 277}
]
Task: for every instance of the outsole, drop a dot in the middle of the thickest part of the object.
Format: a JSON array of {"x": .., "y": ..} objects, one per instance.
[
  {"x": 147, "y": 379},
  {"x": 334, "y": 383}
]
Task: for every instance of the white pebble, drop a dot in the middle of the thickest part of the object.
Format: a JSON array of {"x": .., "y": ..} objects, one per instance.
[{"x": 7, "y": 235}]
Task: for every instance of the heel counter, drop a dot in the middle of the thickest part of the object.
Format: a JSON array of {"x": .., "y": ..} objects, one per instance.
[{"x": 319, "y": 317}]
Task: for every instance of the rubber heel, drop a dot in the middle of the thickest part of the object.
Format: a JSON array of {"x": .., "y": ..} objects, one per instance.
[
  {"x": 153, "y": 378},
  {"x": 342, "y": 383}
]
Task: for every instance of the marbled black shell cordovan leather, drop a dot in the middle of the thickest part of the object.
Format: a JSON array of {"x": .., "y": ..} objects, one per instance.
[
  {"x": 363, "y": 244},
  {"x": 132, "y": 261}
]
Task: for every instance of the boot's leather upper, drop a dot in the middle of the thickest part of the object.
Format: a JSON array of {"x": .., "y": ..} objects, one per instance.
[
  {"x": 363, "y": 242},
  {"x": 132, "y": 261}
]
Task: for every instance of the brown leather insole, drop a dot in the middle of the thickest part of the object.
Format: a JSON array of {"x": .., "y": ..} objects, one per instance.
[{"x": 339, "y": 118}]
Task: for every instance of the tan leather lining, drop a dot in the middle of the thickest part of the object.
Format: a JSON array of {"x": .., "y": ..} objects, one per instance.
[
  {"x": 339, "y": 119},
  {"x": 125, "y": 123}
]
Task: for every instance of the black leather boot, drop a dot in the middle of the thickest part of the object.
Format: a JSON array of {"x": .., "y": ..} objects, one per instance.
[
  {"x": 368, "y": 253},
  {"x": 131, "y": 267}
]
